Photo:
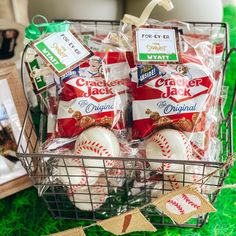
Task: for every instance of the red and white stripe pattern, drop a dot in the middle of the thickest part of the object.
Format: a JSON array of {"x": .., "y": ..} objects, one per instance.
[{"x": 187, "y": 145}]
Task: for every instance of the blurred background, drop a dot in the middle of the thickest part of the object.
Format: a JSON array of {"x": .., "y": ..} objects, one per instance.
[{"x": 188, "y": 10}]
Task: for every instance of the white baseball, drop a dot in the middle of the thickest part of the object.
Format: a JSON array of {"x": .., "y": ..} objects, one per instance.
[
  {"x": 183, "y": 204},
  {"x": 116, "y": 175},
  {"x": 169, "y": 183},
  {"x": 89, "y": 198},
  {"x": 168, "y": 144},
  {"x": 175, "y": 181},
  {"x": 192, "y": 175},
  {"x": 199, "y": 172},
  {"x": 71, "y": 172},
  {"x": 214, "y": 181},
  {"x": 97, "y": 142}
]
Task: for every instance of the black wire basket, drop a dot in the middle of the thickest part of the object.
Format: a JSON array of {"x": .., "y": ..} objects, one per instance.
[{"x": 117, "y": 192}]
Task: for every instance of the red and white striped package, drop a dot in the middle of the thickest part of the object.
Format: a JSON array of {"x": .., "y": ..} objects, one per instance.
[
  {"x": 181, "y": 96},
  {"x": 96, "y": 96}
]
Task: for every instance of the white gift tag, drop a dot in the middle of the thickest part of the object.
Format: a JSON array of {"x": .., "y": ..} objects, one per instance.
[
  {"x": 62, "y": 51},
  {"x": 154, "y": 45}
]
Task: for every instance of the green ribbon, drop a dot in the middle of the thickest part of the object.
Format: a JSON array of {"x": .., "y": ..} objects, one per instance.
[{"x": 34, "y": 31}]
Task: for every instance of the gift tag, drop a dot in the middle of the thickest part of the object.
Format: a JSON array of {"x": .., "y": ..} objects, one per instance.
[
  {"x": 155, "y": 45},
  {"x": 62, "y": 51}
]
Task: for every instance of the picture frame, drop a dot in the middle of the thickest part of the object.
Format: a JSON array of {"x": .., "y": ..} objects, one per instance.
[{"x": 15, "y": 180}]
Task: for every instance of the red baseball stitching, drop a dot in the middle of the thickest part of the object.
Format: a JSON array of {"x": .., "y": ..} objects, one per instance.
[
  {"x": 115, "y": 172},
  {"x": 189, "y": 151},
  {"x": 191, "y": 203},
  {"x": 199, "y": 153},
  {"x": 70, "y": 192},
  {"x": 196, "y": 177},
  {"x": 166, "y": 167},
  {"x": 162, "y": 142},
  {"x": 94, "y": 147},
  {"x": 82, "y": 182},
  {"x": 99, "y": 149},
  {"x": 187, "y": 146},
  {"x": 173, "y": 182},
  {"x": 101, "y": 198},
  {"x": 176, "y": 204},
  {"x": 183, "y": 137},
  {"x": 83, "y": 171},
  {"x": 76, "y": 160}
]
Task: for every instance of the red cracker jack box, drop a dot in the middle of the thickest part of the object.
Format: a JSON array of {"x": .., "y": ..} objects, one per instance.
[
  {"x": 171, "y": 96},
  {"x": 97, "y": 95},
  {"x": 179, "y": 96}
]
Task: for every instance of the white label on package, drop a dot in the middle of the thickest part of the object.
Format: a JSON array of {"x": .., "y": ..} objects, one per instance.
[
  {"x": 63, "y": 51},
  {"x": 156, "y": 45}
]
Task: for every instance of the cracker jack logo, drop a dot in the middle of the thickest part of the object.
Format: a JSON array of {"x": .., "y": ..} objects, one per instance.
[
  {"x": 180, "y": 88},
  {"x": 98, "y": 89}
]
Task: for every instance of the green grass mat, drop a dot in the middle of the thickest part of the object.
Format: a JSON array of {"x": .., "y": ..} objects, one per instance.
[{"x": 26, "y": 214}]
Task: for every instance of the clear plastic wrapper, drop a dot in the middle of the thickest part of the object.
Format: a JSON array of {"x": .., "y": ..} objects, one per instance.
[
  {"x": 176, "y": 110},
  {"x": 182, "y": 96},
  {"x": 175, "y": 117},
  {"x": 95, "y": 97},
  {"x": 99, "y": 36},
  {"x": 86, "y": 115}
]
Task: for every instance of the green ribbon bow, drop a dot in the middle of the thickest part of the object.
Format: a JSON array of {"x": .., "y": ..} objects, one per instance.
[{"x": 34, "y": 31}]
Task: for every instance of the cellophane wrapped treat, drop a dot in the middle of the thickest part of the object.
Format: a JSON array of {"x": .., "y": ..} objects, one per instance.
[
  {"x": 175, "y": 117},
  {"x": 87, "y": 116},
  {"x": 99, "y": 36},
  {"x": 176, "y": 109},
  {"x": 96, "y": 96}
]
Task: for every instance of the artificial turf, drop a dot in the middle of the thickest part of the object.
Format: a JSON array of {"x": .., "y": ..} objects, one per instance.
[{"x": 26, "y": 214}]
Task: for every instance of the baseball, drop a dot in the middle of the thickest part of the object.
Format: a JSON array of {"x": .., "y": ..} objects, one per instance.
[
  {"x": 97, "y": 142},
  {"x": 175, "y": 181},
  {"x": 183, "y": 204},
  {"x": 168, "y": 144},
  {"x": 116, "y": 175},
  {"x": 168, "y": 184},
  {"x": 211, "y": 184},
  {"x": 71, "y": 172},
  {"x": 89, "y": 198},
  {"x": 192, "y": 175}
]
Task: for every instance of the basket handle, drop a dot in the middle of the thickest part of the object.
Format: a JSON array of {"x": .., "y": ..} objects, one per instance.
[{"x": 232, "y": 50}]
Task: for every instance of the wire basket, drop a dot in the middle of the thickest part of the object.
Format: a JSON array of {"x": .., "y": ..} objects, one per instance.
[
  {"x": 116, "y": 187},
  {"x": 40, "y": 168}
]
